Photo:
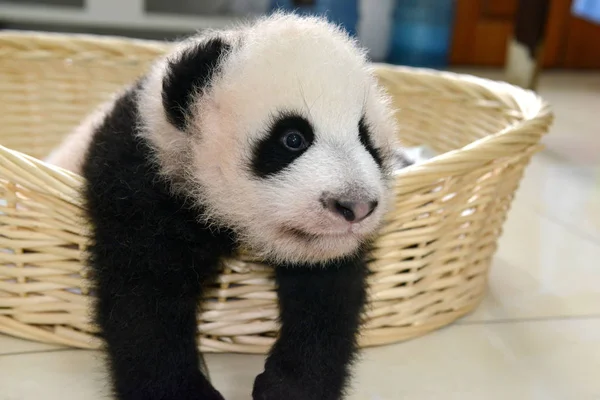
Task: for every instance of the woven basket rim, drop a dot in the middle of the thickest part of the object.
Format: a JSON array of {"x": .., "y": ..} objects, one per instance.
[
  {"x": 536, "y": 112},
  {"x": 73, "y": 41}
]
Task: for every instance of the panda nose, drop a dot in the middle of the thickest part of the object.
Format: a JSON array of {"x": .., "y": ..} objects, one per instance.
[{"x": 352, "y": 211}]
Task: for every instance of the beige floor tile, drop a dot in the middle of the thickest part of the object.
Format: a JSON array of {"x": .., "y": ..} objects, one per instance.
[
  {"x": 575, "y": 100},
  {"x": 62, "y": 375},
  {"x": 12, "y": 345},
  {"x": 541, "y": 270},
  {"x": 565, "y": 192},
  {"x": 553, "y": 360},
  {"x": 549, "y": 360}
]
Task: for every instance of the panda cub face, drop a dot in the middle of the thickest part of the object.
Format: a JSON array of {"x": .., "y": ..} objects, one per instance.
[{"x": 279, "y": 131}]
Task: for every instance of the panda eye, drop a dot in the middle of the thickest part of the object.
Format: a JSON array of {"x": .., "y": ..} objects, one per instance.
[
  {"x": 294, "y": 140},
  {"x": 286, "y": 139}
]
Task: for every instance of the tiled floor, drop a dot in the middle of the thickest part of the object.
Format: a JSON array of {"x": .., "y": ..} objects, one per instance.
[{"x": 535, "y": 337}]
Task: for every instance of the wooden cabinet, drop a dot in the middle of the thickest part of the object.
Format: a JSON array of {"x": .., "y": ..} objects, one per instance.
[{"x": 483, "y": 29}]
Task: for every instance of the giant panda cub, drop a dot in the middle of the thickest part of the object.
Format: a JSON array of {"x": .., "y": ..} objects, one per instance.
[{"x": 274, "y": 137}]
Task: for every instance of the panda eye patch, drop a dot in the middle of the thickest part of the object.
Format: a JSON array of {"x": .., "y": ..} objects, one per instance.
[
  {"x": 286, "y": 139},
  {"x": 294, "y": 140}
]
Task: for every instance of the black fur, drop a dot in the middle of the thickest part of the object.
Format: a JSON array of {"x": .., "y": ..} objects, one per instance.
[
  {"x": 365, "y": 139},
  {"x": 189, "y": 73},
  {"x": 320, "y": 311},
  {"x": 270, "y": 155},
  {"x": 151, "y": 258}
]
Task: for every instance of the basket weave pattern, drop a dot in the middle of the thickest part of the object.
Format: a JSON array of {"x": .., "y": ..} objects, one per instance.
[{"x": 430, "y": 262}]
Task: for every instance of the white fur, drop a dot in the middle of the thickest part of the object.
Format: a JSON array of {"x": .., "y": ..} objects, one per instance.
[
  {"x": 71, "y": 152},
  {"x": 281, "y": 63},
  {"x": 69, "y": 155}
]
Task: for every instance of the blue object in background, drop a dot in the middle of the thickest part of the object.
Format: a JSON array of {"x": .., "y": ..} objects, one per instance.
[
  {"x": 342, "y": 12},
  {"x": 421, "y": 33},
  {"x": 587, "y": 9}
]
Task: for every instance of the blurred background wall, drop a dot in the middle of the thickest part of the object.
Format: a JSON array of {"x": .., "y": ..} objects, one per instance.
[{"x": 431, "y": 33}]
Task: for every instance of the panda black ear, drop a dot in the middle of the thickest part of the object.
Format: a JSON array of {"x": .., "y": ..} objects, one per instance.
[{"x": 189, "y": 73}]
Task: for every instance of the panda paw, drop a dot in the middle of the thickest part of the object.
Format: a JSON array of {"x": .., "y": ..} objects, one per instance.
[
  {"x": 269, "y": 386},
  {"x": 209, "y": 394},
  {"x": 182, "y": 393},
  {"x": 201, "y": 390}
]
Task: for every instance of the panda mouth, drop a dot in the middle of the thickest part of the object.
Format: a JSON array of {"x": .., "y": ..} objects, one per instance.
[{"x": 310, "y": 236}]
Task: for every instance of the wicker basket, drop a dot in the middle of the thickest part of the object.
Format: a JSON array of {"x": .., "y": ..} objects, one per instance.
[{"x": 430, "y": 262}]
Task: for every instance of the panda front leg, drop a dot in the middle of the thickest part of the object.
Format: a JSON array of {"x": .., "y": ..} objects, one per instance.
[
  {"x": 320, "y": 313},
  {"x": 151, "y": 347},
  {"x": 148, "y": 290}
]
